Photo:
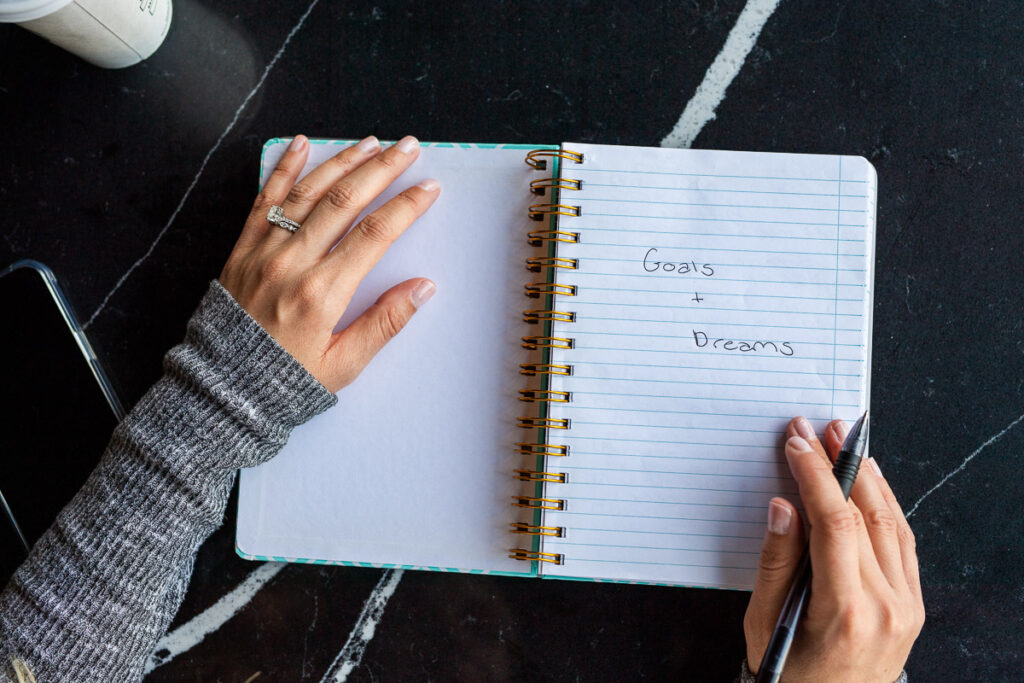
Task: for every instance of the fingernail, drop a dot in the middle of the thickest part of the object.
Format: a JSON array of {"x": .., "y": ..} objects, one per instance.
[
  {"x": 422, "y": 292},
  {"x": 407, "y": 144},
  {"x": 367, "y": 145},
  {"x": 804, "y": 428},
  {"x": 429, "y": 185},
  {"x": 797, "y": 444},
  {"x": 779, "y": 518},
  {"x": 298, "y": 142},
  {"x": 874, "y": 466},
  {"x": 841, "y": 430}
]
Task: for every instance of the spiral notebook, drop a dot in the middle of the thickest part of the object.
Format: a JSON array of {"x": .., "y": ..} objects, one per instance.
[{"x": 599, "y": 388}]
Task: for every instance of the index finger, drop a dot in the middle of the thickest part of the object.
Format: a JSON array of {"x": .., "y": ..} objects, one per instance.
[{"x": 833, "y": 526}]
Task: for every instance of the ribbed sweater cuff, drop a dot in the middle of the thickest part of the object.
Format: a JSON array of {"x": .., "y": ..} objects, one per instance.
[{"x": 246, "y": 376}]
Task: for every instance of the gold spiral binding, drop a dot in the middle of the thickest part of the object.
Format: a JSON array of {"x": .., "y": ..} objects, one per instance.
[
  {"x": 538, "y": 396},
  {"x": 543, "y": 422},
  {"x": 544, "y": 449},
  {"x": 538, "y": 316},
  {"x": 535, "y": 472},
  {"x": 534, "y": 556},
  {"x": 533, "y": 369},
  {"x": 539, "y": 237},
  {"x": 535, "y": 158},
  {"x": 536, "y": 475},
  {"x": 535, "y": 264},
  {"x": 535, "y": 289},
  {"x": 538, "y": 211},
  {"x": 548, "y": 343},
  {"x": 541, "y": 186},
  {"x": 538, "y": 503},
  {"x": 532, "y": 530}
]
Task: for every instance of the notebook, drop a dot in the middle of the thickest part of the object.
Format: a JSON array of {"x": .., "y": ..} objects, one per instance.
[{"x": 599, "y": 389}]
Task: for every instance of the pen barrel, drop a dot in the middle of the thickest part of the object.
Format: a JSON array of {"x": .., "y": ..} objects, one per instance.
[{"x": 845, "y": 470}]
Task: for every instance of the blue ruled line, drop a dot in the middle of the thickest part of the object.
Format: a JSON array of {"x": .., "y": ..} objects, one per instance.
[
  {"x": 711, "y": 398},
  {"x": 718, "y": 220},
  {"x": 685, "y": 336},
  {"x": 571, "y": 560},
  {"x": 690, "y": 412},
  {"x": 708, "y": 189},
  {"x": 714, "y": 322},
  {"x": 714, "y": 353},
  {"x": 659, "y": 533},
  {"x": 720, "y": 551},
  {"x": 703, "y": 367},
  {"x": 669, "y": 291},
  {"x": 711, "y": 308},
  {"x": 729, "y": 265},
  {"x": 580, "y": 228},
  {"x": 714, "y": 384},
  {"x": 702, "y": 278},
  {"x": 741, "y": 251},
  {"x": 666, "y": 502},
  {"x": 728, "y": 206},
  {"x": 591, "y": 169},
  {"x": 687, "y": 427},
  {"x": 697, "y": 474}
]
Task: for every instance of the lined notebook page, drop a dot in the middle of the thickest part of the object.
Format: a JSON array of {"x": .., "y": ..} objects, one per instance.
[
  {"x": 718, "y": 295},
  {"x": 413, "y": 467}
]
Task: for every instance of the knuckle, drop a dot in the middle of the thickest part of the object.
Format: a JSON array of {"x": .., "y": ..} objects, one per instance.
[
  {"x": 343, "y": 196},
  {"x": 881, "y": 519},
  {"x": 341, "y": 160},
  {"x": 896, "y": 622},
  {"x": 851, "y": 624},
  {"x": 409, "y": 200},
  {"x": 301, "y": 193},
  {"x": 388, "y": 161},
  {"x": 907, "y": 537},
  {"x": 840, "y": 522},
  {"x": 773, "y": 561},
  {"x": 275, "y": 268},
  {"x": 389, "y": 322},
  {"x": 261, "y": 203},
  {"x": 309, "y": 292},
  {"x": 376, "y": 228}
]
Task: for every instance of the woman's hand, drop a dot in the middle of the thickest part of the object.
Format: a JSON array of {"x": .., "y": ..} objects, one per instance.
[
  {"x": 865, "y": 609},
  {"x": 297, "y": 288}
]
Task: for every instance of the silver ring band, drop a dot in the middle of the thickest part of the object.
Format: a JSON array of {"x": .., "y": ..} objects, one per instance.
[{"x": 276, "y": 217}]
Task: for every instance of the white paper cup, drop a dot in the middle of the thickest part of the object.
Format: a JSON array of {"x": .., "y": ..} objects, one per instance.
[{"x": 107, "y": 33}]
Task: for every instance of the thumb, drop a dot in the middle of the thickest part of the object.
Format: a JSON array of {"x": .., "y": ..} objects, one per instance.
[
  {"x": 781, "y": 553},
  {"x": 355, "y": 346}
]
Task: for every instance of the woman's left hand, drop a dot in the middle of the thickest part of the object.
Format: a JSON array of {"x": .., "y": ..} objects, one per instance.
[{"x": 297, "y": 288}]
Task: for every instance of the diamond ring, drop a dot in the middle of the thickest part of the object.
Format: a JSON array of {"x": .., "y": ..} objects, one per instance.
[{"x": 276, "y": 217}]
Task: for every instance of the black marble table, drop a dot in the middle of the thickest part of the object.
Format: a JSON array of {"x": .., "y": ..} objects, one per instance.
[{"x": 133, "y": 184}]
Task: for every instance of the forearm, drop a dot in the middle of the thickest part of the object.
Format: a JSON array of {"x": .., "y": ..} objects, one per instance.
[{"x": 101, "y": 586}]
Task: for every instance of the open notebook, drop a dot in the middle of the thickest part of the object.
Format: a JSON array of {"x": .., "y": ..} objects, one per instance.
[{"x": 598, "y": 389}]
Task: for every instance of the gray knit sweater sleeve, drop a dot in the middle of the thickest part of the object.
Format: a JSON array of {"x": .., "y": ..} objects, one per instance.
[{"x": 102, "y": 584}]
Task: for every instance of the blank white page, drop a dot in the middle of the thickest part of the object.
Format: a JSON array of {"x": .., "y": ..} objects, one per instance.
[
  {"x": 414, "y": 465},
  {"x": 718, "y": 295}
]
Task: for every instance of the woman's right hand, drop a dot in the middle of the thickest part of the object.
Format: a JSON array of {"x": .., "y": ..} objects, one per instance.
[
  {"x": 298, "y": 285},
  {"x": 865, "y": 609}
]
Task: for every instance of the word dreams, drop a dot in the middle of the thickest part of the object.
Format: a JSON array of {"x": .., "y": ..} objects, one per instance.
[{"x": 702, "y": 340}]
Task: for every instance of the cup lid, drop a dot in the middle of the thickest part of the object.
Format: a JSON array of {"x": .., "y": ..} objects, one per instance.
[{"x": 25, "y": 10}]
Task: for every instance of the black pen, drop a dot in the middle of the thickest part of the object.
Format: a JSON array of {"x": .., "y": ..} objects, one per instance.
[{"x": 845, "y": 470}]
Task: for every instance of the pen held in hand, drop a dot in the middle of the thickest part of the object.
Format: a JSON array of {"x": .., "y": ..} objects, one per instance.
[{"x": 845, "y": 470}]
